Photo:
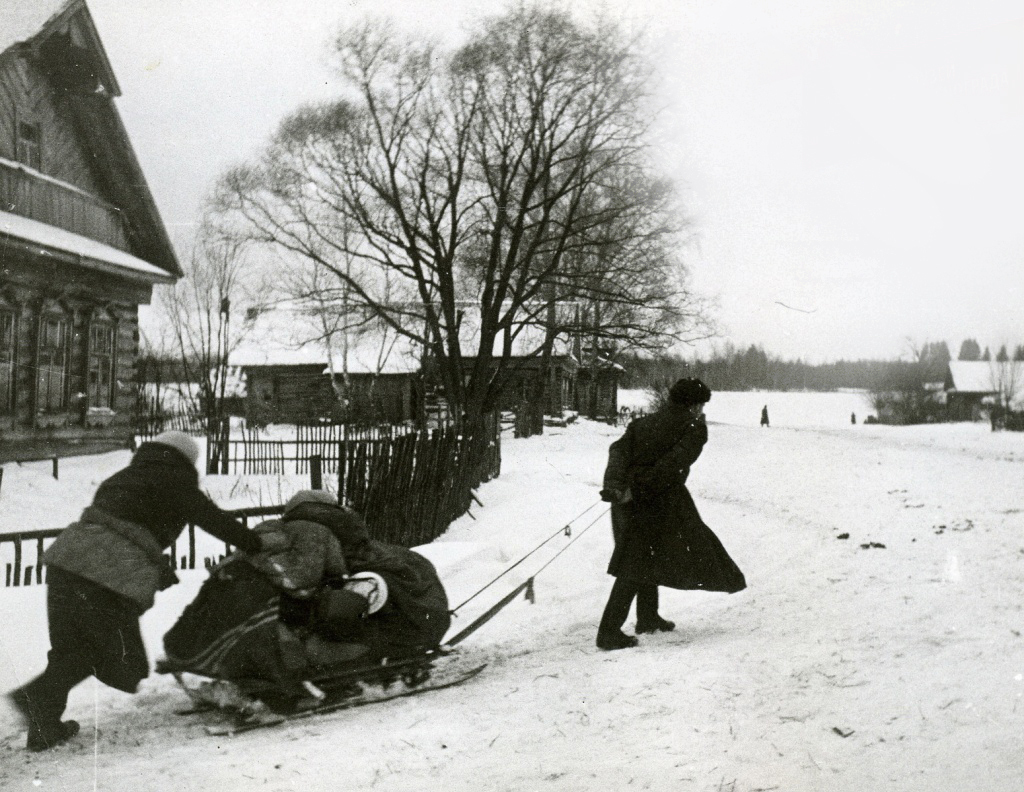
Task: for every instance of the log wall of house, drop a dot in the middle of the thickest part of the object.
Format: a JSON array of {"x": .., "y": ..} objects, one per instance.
[
  {"x": 31, "y": 286},
  {"x": 303, "y": 393}
]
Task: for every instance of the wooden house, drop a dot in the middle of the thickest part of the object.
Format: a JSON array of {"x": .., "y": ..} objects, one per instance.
[
  {"x": 597, "y": 387},
  {"x": 525, "y": 366},
  {"x": 971, "y": 386},
  {"x": 294, "y": 374},
  {"x": 81, "y": 241}
]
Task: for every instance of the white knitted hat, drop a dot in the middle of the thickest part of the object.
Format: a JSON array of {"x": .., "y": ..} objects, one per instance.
[
  {"x": 180, "y": 441},
  {"x": 310, "y": 496}
]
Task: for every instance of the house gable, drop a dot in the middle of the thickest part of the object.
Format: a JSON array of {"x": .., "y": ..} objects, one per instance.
[{"x": 62, "y": 141}]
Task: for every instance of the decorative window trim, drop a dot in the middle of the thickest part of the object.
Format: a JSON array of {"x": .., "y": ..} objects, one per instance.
[
  {"x": 98, "y": 396},
  {"x": 53, "y": 311},
  {"x": 8, "y": 358}
]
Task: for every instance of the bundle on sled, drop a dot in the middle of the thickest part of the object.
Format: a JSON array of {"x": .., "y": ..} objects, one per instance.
[{"x": 311, "y": 625}]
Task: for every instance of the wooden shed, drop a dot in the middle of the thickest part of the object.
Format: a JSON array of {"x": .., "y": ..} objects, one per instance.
[
  {"x": 970, "y": 388},
  {"x": 81, "y": 241},
  {"x": 294, "y": 374}
]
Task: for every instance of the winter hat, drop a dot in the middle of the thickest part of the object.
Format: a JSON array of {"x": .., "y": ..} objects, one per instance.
[
  {"x": 346, "y": 525},
  {"x": 181, "y": 442},
  {"x": 688, "y": 391},
  {"x": 309, "y": 496}
]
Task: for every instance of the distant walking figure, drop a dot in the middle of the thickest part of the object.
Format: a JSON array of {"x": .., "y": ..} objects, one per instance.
[
  {"x": 764, "y": 415},
  {"x": 853, "y": 418},
  {"x": 660, "y": 538}
]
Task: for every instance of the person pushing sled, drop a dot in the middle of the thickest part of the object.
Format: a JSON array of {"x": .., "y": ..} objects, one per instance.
[{"x": 273, "y": 630}]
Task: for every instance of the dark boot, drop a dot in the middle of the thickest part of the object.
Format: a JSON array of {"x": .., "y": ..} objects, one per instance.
[
  {"x": 609, "y": 632},
  {"x": 43, "y": 732},
  {"x": 647, "y": 618},
  {"x": 657, "y": 624},
  {"x": 609, "y": 641},
  {"x": 44, "y": 737}
]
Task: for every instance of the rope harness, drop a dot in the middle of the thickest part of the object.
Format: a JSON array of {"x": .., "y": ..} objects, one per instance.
[{"x": 526, "y": 585}]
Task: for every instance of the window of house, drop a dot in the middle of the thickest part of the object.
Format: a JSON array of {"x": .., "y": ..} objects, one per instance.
[
  {"x": 53, "y": 364},
  {"x": 101, "y": 364},
  {"x": 30, "y": 150},
  {"x": 7, "y": 346}
]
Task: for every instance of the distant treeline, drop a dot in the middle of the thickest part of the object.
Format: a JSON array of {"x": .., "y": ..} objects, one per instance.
[{"x": 754, "y": 369}]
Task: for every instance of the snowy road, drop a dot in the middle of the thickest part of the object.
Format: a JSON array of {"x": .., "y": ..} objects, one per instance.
[{"x": 842, "y": 667}]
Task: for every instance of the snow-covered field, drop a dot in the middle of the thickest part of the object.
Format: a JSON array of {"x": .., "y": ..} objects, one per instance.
[{"x": 889, "y": 660}]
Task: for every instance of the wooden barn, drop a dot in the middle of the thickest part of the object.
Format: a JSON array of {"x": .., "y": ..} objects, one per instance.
[
  {"x": 81, "y": 241},
  {"x": 293, "y": 375},
  {"x": 970, "y": 389}
]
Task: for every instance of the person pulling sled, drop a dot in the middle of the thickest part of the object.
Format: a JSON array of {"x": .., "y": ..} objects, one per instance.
[{"x": 660, "y": 538}]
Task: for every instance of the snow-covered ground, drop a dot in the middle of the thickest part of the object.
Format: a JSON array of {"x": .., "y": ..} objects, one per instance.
[{"x": 889, "y": 660}]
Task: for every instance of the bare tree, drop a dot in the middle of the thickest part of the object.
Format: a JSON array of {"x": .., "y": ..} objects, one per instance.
[
  {"x": 1006, "y": 377},
  {"x": 511, "y": 175},
  {"x": 208, "y": 313}
]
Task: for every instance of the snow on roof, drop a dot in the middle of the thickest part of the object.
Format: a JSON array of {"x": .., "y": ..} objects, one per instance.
[
  {"x": 289, "y": 336},
  {"x": 22, "y": 19},
  {"x": 973, "y": 376},
  {"x": 90, "y": 253}
]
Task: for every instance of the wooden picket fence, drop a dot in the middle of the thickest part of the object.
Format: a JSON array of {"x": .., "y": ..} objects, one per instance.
[
  {"x": 252, "y": 453},
  {"x": 148, "y": 425}
]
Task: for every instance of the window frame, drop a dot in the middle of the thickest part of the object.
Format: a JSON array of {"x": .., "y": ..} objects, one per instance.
[
  {"x": 58, "y": 366},
  {"x": 29, "y": 148},
  {"x": 98, "y": 395},
  {"x": 8, "y": 357}
]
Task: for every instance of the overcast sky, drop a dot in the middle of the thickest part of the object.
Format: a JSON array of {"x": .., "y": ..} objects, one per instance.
[{"x": 854, "y": 170}]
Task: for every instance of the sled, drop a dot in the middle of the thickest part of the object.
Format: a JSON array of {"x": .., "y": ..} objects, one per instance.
[{"x": 253, "y": 704}]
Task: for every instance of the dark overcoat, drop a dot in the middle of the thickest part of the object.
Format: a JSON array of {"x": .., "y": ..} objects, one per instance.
[{"x": 660, "y": 537}]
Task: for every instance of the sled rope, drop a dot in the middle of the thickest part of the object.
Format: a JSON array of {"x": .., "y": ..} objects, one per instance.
[
  {"x": 526, "y": 585},
  {"x": 565, "y": 530}
]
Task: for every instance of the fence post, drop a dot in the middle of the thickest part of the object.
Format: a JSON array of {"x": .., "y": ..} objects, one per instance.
[
  {"x": 16, "y": 575},
  {"x": 225, "y": 444},
  {"x": 343, "y": 464},
  {"x": 55, "y": 467},
  {"x": 39, "y": 560},
  {"x": 316, "y": 480}
]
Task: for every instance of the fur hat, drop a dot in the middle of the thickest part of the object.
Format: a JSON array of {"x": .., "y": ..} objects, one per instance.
[
  {"x": 310, "y": 496},
  {"x": 688, "y": 391},
  {"x": 344, "y": 523},
  {"x": 180, "y": 442}
]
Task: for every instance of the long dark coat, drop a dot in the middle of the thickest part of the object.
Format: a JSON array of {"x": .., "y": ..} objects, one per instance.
[{"x": 660, "y": 537}]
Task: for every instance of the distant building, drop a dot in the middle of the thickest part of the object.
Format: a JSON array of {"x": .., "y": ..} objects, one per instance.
[
  {"x": 288, "y": 364},
  {"x": 970, "y": 389},
  {"x": 81, "y": 241},
  {"x": 597, "y": 387},
  {"x": 287, "y": 367}
]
